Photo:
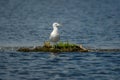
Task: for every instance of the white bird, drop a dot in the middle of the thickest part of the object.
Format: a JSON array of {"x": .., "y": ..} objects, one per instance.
[{"x": 54, "y": 36}]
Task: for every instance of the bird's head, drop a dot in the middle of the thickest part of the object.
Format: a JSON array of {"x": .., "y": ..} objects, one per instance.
[{"x": 56, "y": 24}]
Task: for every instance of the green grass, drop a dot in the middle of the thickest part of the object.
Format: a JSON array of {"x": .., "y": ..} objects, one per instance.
[
  {"x": 64, "y": 45},
  {"x": 59, "y": 47}
]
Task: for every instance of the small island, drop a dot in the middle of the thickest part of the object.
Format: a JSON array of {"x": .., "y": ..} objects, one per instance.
[{"x": 59, "y": 47}]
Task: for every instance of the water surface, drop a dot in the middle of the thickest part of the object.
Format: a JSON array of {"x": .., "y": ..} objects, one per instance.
[
  {"x": 64, "y": 66},
  {"x": 93, "y": 23}
]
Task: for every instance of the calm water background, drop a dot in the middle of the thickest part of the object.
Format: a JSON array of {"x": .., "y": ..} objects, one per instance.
[
  {"x": 93, "y": 23},
  {"x": 64, "y": 66}
]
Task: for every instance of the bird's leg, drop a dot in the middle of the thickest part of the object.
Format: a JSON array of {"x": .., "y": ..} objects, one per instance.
[{"x": 54, "y": 45}]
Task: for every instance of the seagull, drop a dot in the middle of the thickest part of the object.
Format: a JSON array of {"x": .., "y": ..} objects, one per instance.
[{"x": 54, "y": 36}]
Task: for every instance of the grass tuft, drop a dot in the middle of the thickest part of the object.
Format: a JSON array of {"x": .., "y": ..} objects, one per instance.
[
  {"x": 59, "y": 47},
  {"x": 64, "y": 45}
]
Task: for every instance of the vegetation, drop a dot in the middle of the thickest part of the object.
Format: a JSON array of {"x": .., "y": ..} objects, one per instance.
[
  {"x": 65, "y": 45},
  {"x": 59, "y": 47}
]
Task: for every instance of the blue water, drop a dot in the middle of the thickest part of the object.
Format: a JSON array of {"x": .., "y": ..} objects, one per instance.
[
  {"x": 92, "y": 23},
  {"x": 64, "y": 66}
]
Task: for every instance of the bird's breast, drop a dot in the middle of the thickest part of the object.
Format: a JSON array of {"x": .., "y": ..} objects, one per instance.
[{"x": 54, "y": 33}]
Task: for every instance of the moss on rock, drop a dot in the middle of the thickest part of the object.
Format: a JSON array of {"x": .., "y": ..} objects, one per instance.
[{"x": 60, "y": 47}]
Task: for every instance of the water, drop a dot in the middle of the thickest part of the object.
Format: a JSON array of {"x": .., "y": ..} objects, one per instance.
[
  {"x": 93, "y": 23},
  {"x": 64, "y": 66}
]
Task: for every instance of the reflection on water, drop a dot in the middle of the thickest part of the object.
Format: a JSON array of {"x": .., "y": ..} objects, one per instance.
[{"x": 64, "y": 66}]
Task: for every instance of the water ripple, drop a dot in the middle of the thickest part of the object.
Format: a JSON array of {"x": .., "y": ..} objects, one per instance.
[{"x": 35, "y": 66}]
